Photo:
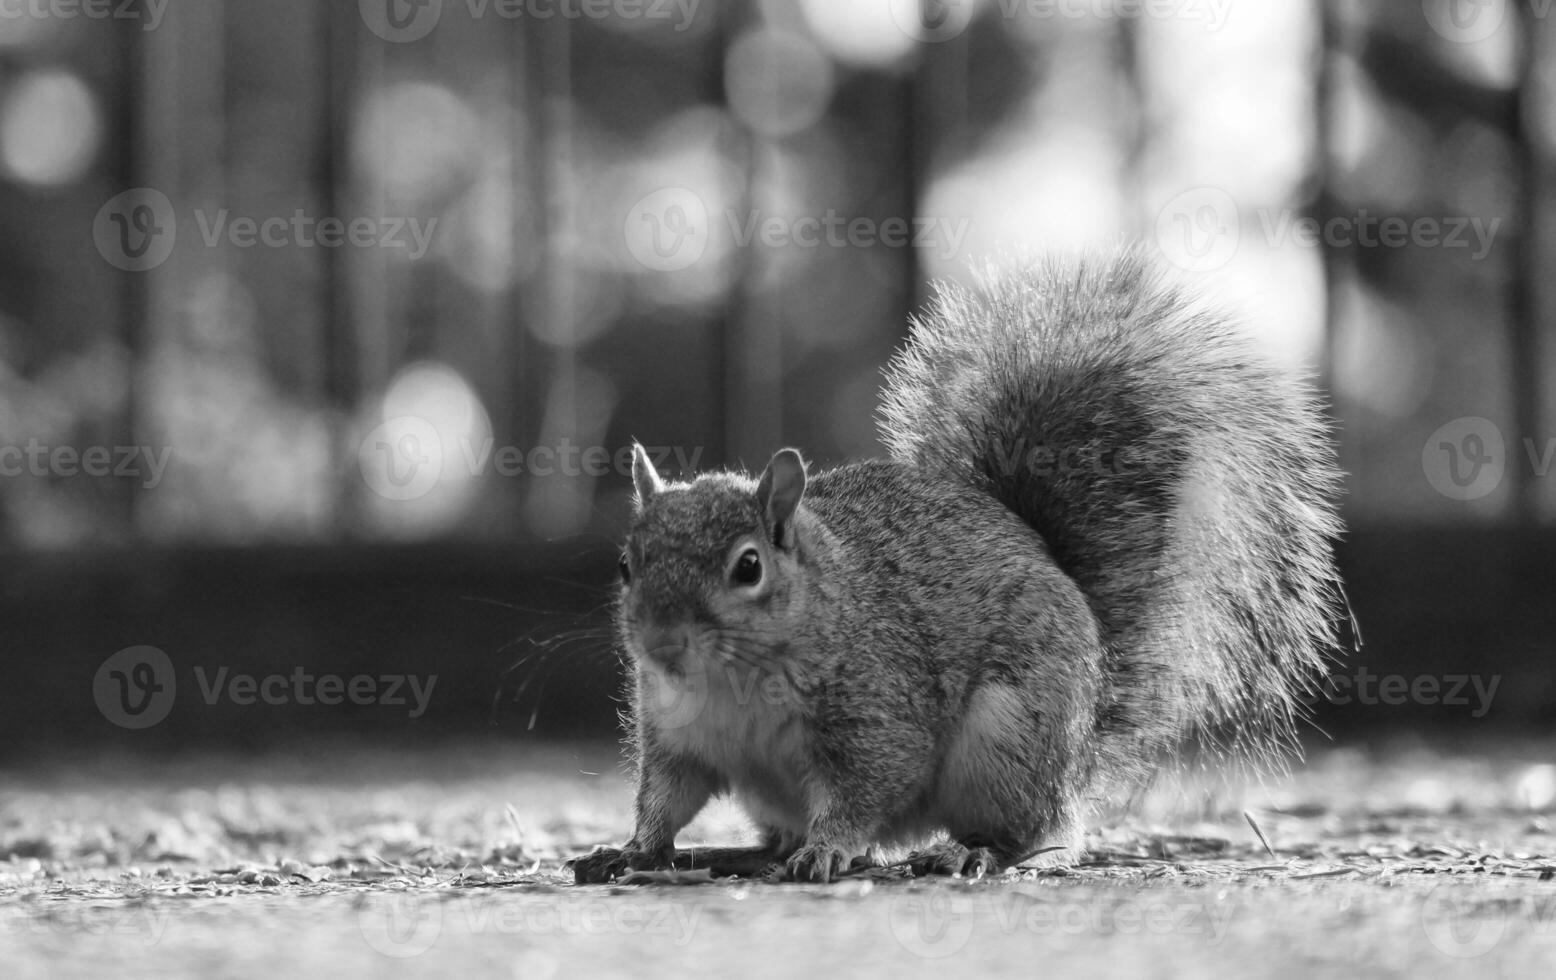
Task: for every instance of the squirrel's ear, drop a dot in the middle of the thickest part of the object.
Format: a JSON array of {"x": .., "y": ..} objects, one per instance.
[
  {"x": 644, "y": 477},
  {"x": 780, "y": 490}
]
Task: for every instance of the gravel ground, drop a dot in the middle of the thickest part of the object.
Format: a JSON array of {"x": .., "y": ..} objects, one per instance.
[{"x": 1395, "y": 859}]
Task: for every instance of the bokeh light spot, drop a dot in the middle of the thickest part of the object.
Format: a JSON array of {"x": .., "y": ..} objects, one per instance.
[
  {"x": 50, "y": 128},
  {"x": 778, "y": 83},
  {"x": 416, "y": 139}
]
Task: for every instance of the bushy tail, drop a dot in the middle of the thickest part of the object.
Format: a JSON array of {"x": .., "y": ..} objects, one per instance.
[{"x": 1186, "y": 485}]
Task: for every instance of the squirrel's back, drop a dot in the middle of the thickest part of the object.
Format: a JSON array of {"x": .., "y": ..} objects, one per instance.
[{"x": 1186, "y": 484}]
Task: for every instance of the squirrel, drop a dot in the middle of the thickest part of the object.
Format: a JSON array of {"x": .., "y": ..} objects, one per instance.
[{"x": 1105, "y": 528}]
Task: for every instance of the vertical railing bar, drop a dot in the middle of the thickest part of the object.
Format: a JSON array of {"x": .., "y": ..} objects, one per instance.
[
  {"x": 556, "y": 144},
  {"x": 734, "y": 407},
  {"x": 527, "y": 186},
  {"x": 723, "y": 348},
  {"x": 916, "y": 156},
  {"x": 134, "y": 286},
  {"x": 341, "y": 367},
  {"x": 1331, "y": 42},
  {"x": 1127, "y": 41},
  {"x": 939, "y": 86},
  {"x": 1525, "y": 271}
]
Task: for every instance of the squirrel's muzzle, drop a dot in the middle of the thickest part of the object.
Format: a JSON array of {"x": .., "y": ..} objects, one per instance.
[{"x": 667, "y": 644}]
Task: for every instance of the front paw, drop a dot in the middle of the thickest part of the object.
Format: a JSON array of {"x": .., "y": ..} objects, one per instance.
[
  {"x": 605, "y": 864},
  {"x": 816, "y": 862}
]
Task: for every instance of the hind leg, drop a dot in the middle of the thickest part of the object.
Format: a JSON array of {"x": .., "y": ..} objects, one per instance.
[
  {"x": 974, "y": 856},
  {"x": 1012, "y": 783},
  {"x": 954, "y": 858}
]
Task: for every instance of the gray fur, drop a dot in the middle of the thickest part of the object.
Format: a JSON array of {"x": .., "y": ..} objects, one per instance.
[{"x": 1105, "y": 526}]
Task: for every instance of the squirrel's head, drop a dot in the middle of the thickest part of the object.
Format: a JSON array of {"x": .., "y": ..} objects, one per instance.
[{"x": 712, "y": 569}]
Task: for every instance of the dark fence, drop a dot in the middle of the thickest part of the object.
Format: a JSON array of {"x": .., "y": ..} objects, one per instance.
[{"x": 323, "y": 325}]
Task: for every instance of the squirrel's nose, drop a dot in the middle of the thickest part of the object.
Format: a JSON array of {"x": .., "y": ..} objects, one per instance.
[{"x": 666, "y": 644}]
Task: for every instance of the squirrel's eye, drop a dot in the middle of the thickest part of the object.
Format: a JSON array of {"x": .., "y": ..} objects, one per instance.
[
  {"x": 625, "y": 569},
  {"x": 748, "y": 568}
]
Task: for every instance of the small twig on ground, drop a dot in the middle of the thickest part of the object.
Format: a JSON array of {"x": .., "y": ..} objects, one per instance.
[
  {"x": 1017, "y": 864},
  {"x": 861, "y": 869},
  {"x": 390, "y": 864},
  {"x": 1262, "y": 839}
]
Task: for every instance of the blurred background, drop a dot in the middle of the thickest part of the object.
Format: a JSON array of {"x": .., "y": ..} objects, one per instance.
[{"x": 323, "y": 324}]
